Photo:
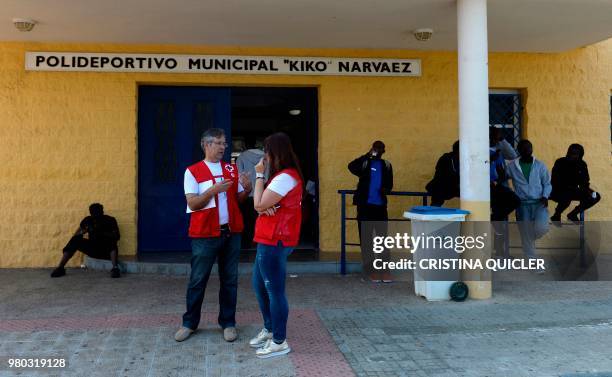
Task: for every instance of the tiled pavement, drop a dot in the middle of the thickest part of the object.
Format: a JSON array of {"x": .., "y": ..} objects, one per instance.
[
  {"x": 338, "y": 327},
  {"x": 493, "y": 340},
  {"x": 143, "y": 345}
]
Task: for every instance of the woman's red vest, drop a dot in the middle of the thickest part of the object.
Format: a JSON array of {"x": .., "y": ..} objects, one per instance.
[
  {"x": 205, "y": 222},
  {"x": 285, "y": 224}
]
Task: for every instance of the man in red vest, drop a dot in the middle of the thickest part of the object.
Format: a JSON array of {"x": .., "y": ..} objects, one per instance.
[{"x": 213, "y": 190}]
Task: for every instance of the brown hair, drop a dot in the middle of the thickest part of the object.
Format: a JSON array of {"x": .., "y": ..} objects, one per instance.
[{"x": 281, "y": 155}]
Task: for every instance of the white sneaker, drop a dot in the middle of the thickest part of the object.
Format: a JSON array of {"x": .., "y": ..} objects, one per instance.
[
  {"x": 260, "y": 339},
  {"x": 271, "y": 349}
]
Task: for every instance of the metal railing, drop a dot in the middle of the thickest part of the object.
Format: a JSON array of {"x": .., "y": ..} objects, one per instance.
[
  {"x": 343, "y": 219},
  {"x": 582, "y": 245},
  {"x": 424, "y": 196}
]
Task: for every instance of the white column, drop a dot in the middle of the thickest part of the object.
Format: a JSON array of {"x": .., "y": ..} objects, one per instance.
[{"x": 472, "y": 52}]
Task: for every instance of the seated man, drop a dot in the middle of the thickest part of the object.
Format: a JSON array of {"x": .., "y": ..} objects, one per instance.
[
  {"x": 102, "y": 232},
  {"x": 570, "y": 181}
]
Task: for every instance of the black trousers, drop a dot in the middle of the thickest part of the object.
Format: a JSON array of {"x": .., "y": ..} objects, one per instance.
[
  {"x": 249, "y": 215},
  {"x": 503, "y": 202},
  {"x": 372, "y": 221},
  {"x": 565, "y": 197},
  {"x": 440, "y": 195},
  {"x": 90, "y": 248}
]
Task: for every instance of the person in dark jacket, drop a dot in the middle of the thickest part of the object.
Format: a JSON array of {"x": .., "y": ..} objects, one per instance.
[
  {"x": 570, "y": 181},
  {"x": 503, "y": 200},
  {"x": 103, "y": 234},
  {"x": 375, "y": 182},
  {"x": 445, "y": 183}
]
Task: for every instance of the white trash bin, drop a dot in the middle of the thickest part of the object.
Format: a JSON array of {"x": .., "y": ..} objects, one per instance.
[{"x": 435, "y": 221}]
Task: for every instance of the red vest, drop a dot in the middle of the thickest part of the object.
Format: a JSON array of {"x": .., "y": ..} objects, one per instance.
[
  {"x": 205, "y": 222},
  {"x": 285, "y": 224}
]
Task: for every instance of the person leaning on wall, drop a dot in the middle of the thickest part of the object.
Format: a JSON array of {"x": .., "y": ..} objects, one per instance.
[
  {"x": 531, "y": 181},
  {"x": 96, "y": 237}
]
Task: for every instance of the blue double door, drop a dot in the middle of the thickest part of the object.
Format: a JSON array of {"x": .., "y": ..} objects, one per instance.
[{"x": 171, "y": 121}]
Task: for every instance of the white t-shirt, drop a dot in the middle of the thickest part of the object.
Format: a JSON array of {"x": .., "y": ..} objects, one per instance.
[
  {"x": 193, "y": 187},
  {"x": 282, "y": 184}
]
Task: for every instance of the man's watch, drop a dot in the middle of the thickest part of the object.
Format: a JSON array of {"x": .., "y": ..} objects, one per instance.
[{"x": 259, "y": 175}]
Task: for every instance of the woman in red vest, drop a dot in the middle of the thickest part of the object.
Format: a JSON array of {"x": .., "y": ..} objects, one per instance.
[{"x": 277, "y": 232}]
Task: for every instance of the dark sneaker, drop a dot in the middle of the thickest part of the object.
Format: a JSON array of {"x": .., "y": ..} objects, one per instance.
[
  {"x": 573, "y": 217},
  {"x": 58, "y": 272},
  {"x": 115, "y": 273},
  {"x": 556, "y": 220}
]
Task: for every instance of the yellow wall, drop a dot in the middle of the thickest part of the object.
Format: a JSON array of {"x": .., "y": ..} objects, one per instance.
[{"x": 68, "y": 139}]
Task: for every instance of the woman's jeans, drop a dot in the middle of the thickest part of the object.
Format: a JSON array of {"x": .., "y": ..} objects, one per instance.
[{"x": 269, "y": 273}]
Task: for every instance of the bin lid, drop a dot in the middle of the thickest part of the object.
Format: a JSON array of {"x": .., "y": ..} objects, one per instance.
[{"x": 436, "y": 213}]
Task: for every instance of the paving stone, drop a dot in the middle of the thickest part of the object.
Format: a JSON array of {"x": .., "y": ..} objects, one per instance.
[{"x": 527, "y": 329}]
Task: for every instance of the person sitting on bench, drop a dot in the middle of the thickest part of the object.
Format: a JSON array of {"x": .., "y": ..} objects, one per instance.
[
  {"x": 445, "y": 183},
  {"x": 570, "y": 181}
]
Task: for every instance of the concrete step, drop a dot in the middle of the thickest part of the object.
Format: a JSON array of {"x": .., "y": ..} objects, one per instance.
[{"x": 161, "y": 268}]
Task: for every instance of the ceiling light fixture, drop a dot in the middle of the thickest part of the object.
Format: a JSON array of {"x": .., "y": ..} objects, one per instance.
[
  {"x": 295, "y": 111},
  {"x": 24, "y": 24},
  {"x": 423, "y": 35}
]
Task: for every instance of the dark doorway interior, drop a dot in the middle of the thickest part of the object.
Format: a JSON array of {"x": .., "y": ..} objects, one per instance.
[{"x": 260, "y": 111}]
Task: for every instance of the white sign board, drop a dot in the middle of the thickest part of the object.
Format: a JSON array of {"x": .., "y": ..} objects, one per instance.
[{"x": 267, "y": 65}]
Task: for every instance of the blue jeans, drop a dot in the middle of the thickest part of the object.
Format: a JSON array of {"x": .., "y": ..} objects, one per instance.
[
  {"x": 204, "y": 251},
  {"x": 269, "y": 272}
]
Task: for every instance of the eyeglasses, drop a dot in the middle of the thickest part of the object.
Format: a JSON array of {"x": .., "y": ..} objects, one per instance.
[{"x": 219, "y": 143}]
